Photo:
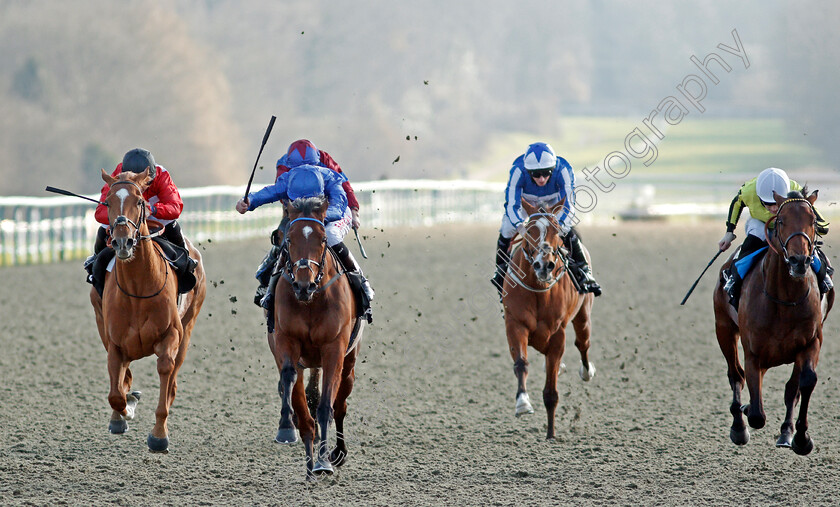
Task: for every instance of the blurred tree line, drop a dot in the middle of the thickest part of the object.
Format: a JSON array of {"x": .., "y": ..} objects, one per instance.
[{"x": 433, "y": 82}]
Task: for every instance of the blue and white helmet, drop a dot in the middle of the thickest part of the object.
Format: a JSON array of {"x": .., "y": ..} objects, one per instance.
[
  {"x": 539, "y": 156},
  {"x": 305, "y": 181}
]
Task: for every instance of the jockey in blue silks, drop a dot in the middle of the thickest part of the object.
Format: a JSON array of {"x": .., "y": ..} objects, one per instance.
[
  {"x": 542, "y": 179},
  {"x": 306, "y": 181}
]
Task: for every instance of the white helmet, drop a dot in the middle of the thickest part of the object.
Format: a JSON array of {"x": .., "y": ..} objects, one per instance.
[{"x": 772, "y": 180}]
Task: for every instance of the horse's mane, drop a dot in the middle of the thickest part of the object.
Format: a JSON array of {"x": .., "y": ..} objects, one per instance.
[
  {"x": 800, "y": 194},
  {"x": 307, "y": 205}
]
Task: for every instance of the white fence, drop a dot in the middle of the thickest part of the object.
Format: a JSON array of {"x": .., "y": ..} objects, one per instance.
[{"x": 48, "y": 229}]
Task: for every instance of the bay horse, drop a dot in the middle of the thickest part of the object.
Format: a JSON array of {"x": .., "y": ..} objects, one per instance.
[
  {"x": 138, "y": 314},
  {"x": 314, "y": 319},
  {"x": 779, "y": 321},
  {"x": 539, "y": 301}
]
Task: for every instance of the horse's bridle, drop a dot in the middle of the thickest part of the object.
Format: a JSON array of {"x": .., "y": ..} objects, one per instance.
[
  {"x": 292, "y": 267},
  {"x": 531, "y": 260},
  {"x": 812, "y": 242},
  {"x": 124, "y": 220}
]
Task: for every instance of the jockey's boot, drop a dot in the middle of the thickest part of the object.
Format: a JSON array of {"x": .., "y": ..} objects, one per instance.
[
  {"x": 502, "y": 260},
  {"x": 264, "y": 273},
  {"x": 352, "y": 267},
  {"x": 583, "y": 271},
  {"x": 732, "y": 285},
  {"x": 824, "y": 275},
  {"x": 98, "y": 246},
  {"x": 172, "y": 232},
  {"x": 267, "y": 301}
]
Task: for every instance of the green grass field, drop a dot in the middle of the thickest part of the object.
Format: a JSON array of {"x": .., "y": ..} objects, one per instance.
[{"x": 695, "y": 146}]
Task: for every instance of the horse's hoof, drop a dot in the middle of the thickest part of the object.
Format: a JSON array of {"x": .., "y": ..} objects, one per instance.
[
  {"x": 739, "y": 437},
  {"x": 134, "y": 394},
  {"x": 745, "y": 409},
  {"x": 157, "y": 444},
  {"x": 117, "y": 426},
  {"x": 803, "y": 449},
  {"x": 523, "y": 405},
  {"x": 338, "y": 457},
  {"x": 323, "y": 467},
  {"x": 587, "y": 374},
  {"x": 286, "y": 436},
  {"x": 785, "y": 440}
]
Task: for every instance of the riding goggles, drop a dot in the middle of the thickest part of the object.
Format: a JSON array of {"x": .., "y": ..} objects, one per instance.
[{"x": 541, "y": 173}]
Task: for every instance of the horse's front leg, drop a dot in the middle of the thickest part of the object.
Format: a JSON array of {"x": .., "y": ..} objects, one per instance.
[
  {"x": 755, "y": 376},
  {"x": 552, "y": 370},
  {"x": 791, "y": 399},
  {"x": 727, "y": 336},
  {"x": 166, "y": 350},
  {"x": 802, "y": 443},
  {"x": 348, "y": 378},
  {"x": 331, "y": 369},
  {"x": 120, "y": 379},
  {"x": 583, "y": 330},
  {"x": 517, "y": 337}
]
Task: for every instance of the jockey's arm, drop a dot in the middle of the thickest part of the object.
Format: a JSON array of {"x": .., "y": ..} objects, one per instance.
[
  {"x": 337, "y": 199},
  {"x": 513, "y": 197},
  {"x": 169, "y": 205}
]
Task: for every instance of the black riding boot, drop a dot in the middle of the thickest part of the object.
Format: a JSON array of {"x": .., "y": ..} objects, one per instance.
[
  {"x": 732, "y": 279},
  {"x": 267, "y": 301},
  {"x": 99, "y": 245},
  {"x": 582, "y": 270},
  {"x": 352, "y": 267},
  {"x": 264, "y": 273},
  {"x": 502, "y": 260},
  {"x": 172, "y": 232},
  {"x": 824, "y": 274}
]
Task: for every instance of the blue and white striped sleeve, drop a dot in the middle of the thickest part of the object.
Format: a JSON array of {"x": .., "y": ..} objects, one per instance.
[
  {"x": 513, "y": 197},
  {"x": 566, "y": 182}
]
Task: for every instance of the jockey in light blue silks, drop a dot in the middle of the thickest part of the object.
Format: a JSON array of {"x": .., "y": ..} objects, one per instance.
[
  {"x": 305, "y": 181},
  {"x": 542, "y": 179}
]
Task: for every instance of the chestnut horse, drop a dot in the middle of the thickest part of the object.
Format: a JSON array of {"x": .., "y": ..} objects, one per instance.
[
  {"x": 314, "y": 319},
  {"x": 539, "y": 301},
  {"x": 779, "y": 321},
  {"x": 138, "y": 314}
]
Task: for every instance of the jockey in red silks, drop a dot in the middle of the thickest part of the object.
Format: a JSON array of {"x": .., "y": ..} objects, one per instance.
[
  {"x": 162, "y": 197},
  {"x": 303, "y": 152}
]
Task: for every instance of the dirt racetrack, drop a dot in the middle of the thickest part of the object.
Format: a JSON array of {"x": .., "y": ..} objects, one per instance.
[{"x": 430, "y": 420}]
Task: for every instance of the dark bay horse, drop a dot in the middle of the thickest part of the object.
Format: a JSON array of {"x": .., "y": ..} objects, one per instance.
[
  {"x": 138, "y": 314},
  {"x": 779, "y": 321},
  {"x": 540, "y": 300},
  {"x": 314, "y": 319}
]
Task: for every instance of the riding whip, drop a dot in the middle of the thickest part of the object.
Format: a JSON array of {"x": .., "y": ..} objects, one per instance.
[
  {"x": 265, "y": 140},
  {"x": 361, "y": 248},
  {"x": 71, "y": 194},
  {"x": 701, "y": 276}
]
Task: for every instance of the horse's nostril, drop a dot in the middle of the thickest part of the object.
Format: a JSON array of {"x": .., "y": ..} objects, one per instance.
[
  {"x": 551, "y": 266},
  {"x": 312, "y": 287}
]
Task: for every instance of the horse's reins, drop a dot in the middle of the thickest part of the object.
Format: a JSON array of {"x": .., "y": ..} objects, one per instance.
[
  {"x": 531, "y": 261},
  {"x": 292, "y": 268},
  {"x": 124, "y": 220},
  {"x": 812, "y": 247}
]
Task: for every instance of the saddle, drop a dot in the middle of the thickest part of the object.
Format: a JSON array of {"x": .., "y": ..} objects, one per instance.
[{"x": 177, "y": 257}]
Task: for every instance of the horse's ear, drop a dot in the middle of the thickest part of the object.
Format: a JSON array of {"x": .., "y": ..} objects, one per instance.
[
  {"x": 107, "y": 178},
  {"x": 528, "y": 208},
  {"x": 813, "y": 197},
  {"x": 143, "y": 178},
  {"x": 778, "y": 198},
  {"x": 557, "y": 208}
]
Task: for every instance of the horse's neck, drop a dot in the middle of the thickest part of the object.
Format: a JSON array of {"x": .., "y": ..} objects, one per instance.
[
  {"x": 777, "y": 279},
  {"x": 145, "y": 269}
]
